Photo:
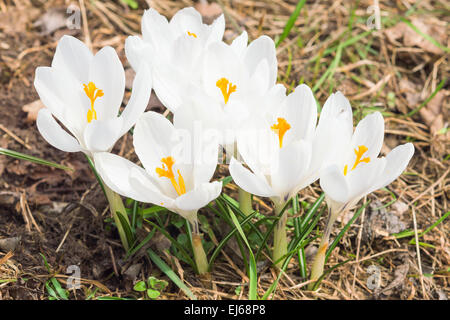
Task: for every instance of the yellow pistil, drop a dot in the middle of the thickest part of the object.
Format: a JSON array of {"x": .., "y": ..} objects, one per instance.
[
  {"x": 167, "y": 172},
  {"x": 280, "y": 128},
  {"x": 226, "y": 87},
  {"x": 359, "y": 153},
  {"x": 192, "y": 34},
  {"x": 93, "y": 93}
]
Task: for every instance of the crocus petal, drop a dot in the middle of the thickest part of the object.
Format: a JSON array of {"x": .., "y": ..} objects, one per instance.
[
  {"x": 186, "y": 19},
  {"x": 333, "y": 133},
  {"x": 168, "y": 85},
  {"x": 199, "y": 197},
  {"x": 62, "y": 94},
  {"x": 301, "y": 112},
  {"x": 370, "y": 133},
  {"x": 54, "y": 134},
  {"x": 363, "y": 178},
  {"x": 115, "y": 172},
  {"x": 259, "y": 49},
  {"x": 142, "y": 88},
  {"x": 396, "y": 162},
  {"x": 239, "y": 44},
  {"x": 102, "y": 135},
  {"x": 217, "y": 28},
  {"x": 137, "y": 50},
  {"x": 74, "y": 56},
  {"x": 107, "y": 74},
  {"x": 155, "y": 28},
  {"x": 293, "y": 163},
  {"x": 153, "y": 138},
  {"x": 143, "y": 183},
  {"x": 248, "y": 181},
  {"x": 334, "y": 184}
]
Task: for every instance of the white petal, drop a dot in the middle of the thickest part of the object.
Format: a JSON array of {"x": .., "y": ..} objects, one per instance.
[
  {"x": 363, "y": 178},
  {"x": 149, "y": 191},
  {"x": 54, "y": 134},
  {"x": 153, "y": 138},
  {"x": 107, "y": 74},
  {"x": 101, "y": 135},
  {"x": 370, "y": 133},
  {"x": 301, "y": 113},
  {"x": 258, "y": 50},
  {"x": 239, "y": 44},
  {"x": 115, "y": 171},
  {"x": 334, "y": 184},
  {"x": 334, "y": 132},
  {"x": 396, "y": 162},
  {"x": 62, "y": 94},
  {"x": 140, "y": 95},
  {"x": 248, "y": 181},
  {"x": 199, "y": 197},
  {"x": 168, "y": 85},
  {"x": 155, "y": 29},
  {"x": 217, "y": 28},
  {"x": 137, "y": 50},
  {"x": 186, "y": 19},
  {"x": 73, "y": 55},
  {"x": 289, "y": 172}
]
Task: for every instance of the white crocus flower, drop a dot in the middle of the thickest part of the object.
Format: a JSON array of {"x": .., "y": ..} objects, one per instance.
[
  {"x": 174, "y": 49},
  {"x": 234, "y": 78},
  {"x": 359, "y": 171},
  {"x": 356, "y": 171},
  {"x": 177, "y": 172},
  {"x": 84, "y": 92},
  {"x": 278, "y": 150}
]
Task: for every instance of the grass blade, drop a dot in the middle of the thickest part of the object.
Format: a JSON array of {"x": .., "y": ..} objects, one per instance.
[
  {"x": 341, "y": 234},
  {"x": 291, "y": 21},
  {"x": 22, "y": 156},
  {"x": 425, "y": 36},
  {"x": 169, "y": 272},
  {"x": 252, "y": 294}
]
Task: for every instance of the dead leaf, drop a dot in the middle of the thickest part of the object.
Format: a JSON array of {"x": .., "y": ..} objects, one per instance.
[
  {"x": 427, "y": 25},
  {"x": 32, "y": 110},
  {"x": 209, "y": 11},
  {"x": 15, "y": 20}
]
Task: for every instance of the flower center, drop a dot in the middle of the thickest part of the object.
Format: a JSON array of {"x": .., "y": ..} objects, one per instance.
[
  {"x": 167, "y": 172},
  {"x": 359, "y": 153},
  {"x": 93, "y": 93},
  {"x": 280, "y": 129},
  {"x": 192, "y": 34},
  {"x": 226, "y": 87}
]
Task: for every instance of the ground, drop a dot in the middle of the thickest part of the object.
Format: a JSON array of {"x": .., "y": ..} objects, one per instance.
[{"x": 51, "y": 219}]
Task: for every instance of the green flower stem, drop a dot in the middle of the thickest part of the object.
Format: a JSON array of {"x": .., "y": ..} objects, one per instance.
[
  {"x": 319, "y": 260},
  {"x": 199, "y": 253},
  {"x": 115, "y": 205},
  {"x": 245, "y": 202},
  {"x": 280, "y": 238}
]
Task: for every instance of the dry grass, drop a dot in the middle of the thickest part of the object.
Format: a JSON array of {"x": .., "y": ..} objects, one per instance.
[{"x": 393, "y": 70}]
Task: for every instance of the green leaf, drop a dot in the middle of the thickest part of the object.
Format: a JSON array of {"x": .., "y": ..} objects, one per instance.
[
  {"x": 131, "y": 3},
  {"x": 140, "y": 286},
  {"x": 153, "y": 294}
]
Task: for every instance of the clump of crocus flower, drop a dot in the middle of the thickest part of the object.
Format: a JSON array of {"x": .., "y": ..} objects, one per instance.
[{"x": 277, "y": 145}]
